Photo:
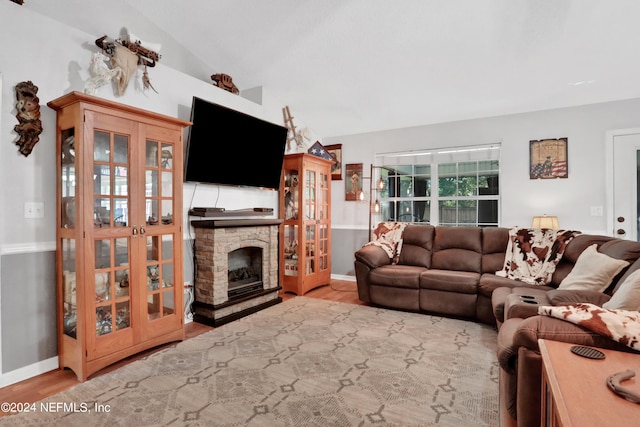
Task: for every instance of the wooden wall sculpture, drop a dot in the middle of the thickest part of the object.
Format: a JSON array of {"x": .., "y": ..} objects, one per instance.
[{"x": 29, "y": 126}]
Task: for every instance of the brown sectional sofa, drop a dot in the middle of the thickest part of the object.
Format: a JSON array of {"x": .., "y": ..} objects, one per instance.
[{"x": 450, "y": 271}]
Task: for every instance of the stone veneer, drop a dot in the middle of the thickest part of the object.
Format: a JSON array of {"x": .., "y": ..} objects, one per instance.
[{"x": 214, "y": 240}]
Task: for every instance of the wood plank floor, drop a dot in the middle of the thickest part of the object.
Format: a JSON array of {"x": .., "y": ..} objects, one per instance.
[{"x": 45, "y": 385}]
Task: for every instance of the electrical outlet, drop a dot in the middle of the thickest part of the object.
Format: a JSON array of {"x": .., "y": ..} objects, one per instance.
[
  {"x": 34, "y": 210},
  {"x": 596, "y": 211}
]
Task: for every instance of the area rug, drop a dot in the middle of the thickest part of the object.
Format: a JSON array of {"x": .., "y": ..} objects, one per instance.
[{"x": 304, "y": 362}]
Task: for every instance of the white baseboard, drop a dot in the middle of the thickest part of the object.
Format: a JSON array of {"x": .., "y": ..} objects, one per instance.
[
  {"x": 26, "y": 372},
  {"x": 343, "y": 277}
]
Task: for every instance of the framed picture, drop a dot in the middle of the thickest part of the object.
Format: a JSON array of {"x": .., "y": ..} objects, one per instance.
[
  {"x": 353, "y": 181},
  {"x": 336, "y": 170},
  {"x": 548, "y": 159}
]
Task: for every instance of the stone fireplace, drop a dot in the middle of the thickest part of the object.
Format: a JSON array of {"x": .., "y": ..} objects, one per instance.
[{"x": 236, "y": 268}]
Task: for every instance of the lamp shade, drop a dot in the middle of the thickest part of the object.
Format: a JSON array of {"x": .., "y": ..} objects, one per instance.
[{"x": 545, "y": 221}]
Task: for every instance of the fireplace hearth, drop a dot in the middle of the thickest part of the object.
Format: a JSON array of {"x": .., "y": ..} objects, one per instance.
[{"x": 236, "y": 271}]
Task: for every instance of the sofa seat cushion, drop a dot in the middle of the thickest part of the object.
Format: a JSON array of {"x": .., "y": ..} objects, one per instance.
[
  {"x": 489, "y": 282},
  {"x": 397, "y": 276},
  {"x": 461, "y": 282}
]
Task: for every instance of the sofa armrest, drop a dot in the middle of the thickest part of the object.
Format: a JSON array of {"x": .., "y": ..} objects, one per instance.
[
  {"x": 372, "y": 256},
  {"x": 569, "y": 296},
  {"x": 530, "y": 330}
]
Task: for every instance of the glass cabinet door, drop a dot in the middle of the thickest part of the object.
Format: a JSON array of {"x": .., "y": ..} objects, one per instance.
[
  {"x": 158, "y": 183},
  {"x": 112, "y": 249},
  {"x": 160, "y": 276}
]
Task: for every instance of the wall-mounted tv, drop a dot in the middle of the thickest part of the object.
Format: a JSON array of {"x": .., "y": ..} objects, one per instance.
[{"x": 227, "y": 147}]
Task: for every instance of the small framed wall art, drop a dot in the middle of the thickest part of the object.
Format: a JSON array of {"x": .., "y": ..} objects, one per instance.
[
  {"x": 353, "y": 181},
  {"x": 336, "y": 170},
  {"x": 548, "y": 159}
]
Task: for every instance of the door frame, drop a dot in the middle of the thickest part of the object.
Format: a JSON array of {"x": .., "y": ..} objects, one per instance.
[{"x": 609, "y": 175}]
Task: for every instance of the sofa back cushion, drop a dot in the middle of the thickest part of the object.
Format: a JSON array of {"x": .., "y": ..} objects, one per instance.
[
  {"x": 627, "y": 250},
  {"x": 457, "y": 248},
  {"x": 494, "y": 247},
  {"x": 417, "y": 244},
  {"x": 571, "y": 253}
]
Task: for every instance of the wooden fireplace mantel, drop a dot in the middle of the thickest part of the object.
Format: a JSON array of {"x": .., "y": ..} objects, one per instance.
[{"x": 227, "y": 223}]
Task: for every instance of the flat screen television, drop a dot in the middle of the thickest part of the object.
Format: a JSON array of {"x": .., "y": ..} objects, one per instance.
[{"x": 227, "y": 147}]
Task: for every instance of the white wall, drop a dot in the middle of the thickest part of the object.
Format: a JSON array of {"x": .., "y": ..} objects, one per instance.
[{"x": 570, "y": 199}]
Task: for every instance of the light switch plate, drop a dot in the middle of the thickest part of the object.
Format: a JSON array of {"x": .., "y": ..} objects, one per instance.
[{"x": 34, "y": 210}]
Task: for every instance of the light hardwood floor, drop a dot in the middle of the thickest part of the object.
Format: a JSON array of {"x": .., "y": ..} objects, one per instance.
[{"x": 45, "y": 385}]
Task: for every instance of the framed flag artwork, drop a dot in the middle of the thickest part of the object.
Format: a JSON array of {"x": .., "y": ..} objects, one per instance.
[{"x": 548, "y": 159}]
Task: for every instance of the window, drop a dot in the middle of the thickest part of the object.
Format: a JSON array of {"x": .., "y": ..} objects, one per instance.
[{"x": 458, "y": 187}]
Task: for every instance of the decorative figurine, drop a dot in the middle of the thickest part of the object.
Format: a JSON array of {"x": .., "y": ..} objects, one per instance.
[
  {"x": 29, "y": 127},
  {"x": 224, "y": 81}
]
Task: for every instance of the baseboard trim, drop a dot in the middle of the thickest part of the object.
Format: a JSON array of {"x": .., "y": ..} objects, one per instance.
[
  {"x": 23, "y": 248},
  {"x": 29, "y": 371},
  {"x": 343, "y": 277}
]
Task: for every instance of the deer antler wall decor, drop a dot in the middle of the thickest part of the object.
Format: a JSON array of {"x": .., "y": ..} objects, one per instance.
[{"x": 127, "y": 55}]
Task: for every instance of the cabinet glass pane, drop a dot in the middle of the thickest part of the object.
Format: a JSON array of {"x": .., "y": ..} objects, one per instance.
[
  {"x": 120, "y": 149},
  {"x": 152, "y": 154},
  {"x": 310, "y": 238},
  {"x": 101, "y": 180},
  {"x": 103, "y": 320},
  {"x": 122, "y": 283},
  {"x": 151, "y": 212},
  {"x": 121, "y": 251},
  {"x": 101, "y": 146},
  {"x": 290, "y": 250},
  {"x": 153, "y": 278},
  {"x": 167, "y": 275},
  {"x": 151, "y": 183},
  {"x": 291, "y": 194},
  {"x": 103, "y": 288},
  {"x": 101, "y": 212},
  {"x": 167, "y": 212},
  {"x": 68, "y": 179},
  {"x": 167, "y": 156},
  {"x": 121, "y": 212},
  {"x": 153, "y": 306},
  {"x": 153, "y": 248},
  {"x": 69, "y": 288},
  {"x": 167, "y": 184},
  {"x": 323, "y": 247},
  {"x": 103, "y": 253},
  {"x": 121, "y": 181},
  {"x": 167, "y": 247},
  {"x": 168, "y": 303},
  {"x": 310, "y": 195},
  {"x": 123, "y": 315}
]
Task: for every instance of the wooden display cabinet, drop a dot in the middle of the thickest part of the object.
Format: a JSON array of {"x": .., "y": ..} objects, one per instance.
[
  {"x": 305, "y": 234},
  {"x": 119, "y": 231}
]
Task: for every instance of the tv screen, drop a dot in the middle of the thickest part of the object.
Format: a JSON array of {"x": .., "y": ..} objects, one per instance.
[{"x": 225, "y": 146}]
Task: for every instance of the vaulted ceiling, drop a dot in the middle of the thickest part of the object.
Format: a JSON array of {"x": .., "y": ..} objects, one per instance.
[{"x": 353, "y": 66}]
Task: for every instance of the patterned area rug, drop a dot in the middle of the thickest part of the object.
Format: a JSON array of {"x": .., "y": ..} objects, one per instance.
[{"x": 304, "y": 362}]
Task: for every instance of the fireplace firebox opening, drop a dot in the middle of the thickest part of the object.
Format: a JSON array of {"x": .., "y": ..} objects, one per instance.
[{"x": 245, "y": 272}]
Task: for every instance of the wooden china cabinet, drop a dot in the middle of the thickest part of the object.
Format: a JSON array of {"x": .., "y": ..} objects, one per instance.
[
  {"x": 119, "y": 231},
  {"x": 305, "y": 234}
]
